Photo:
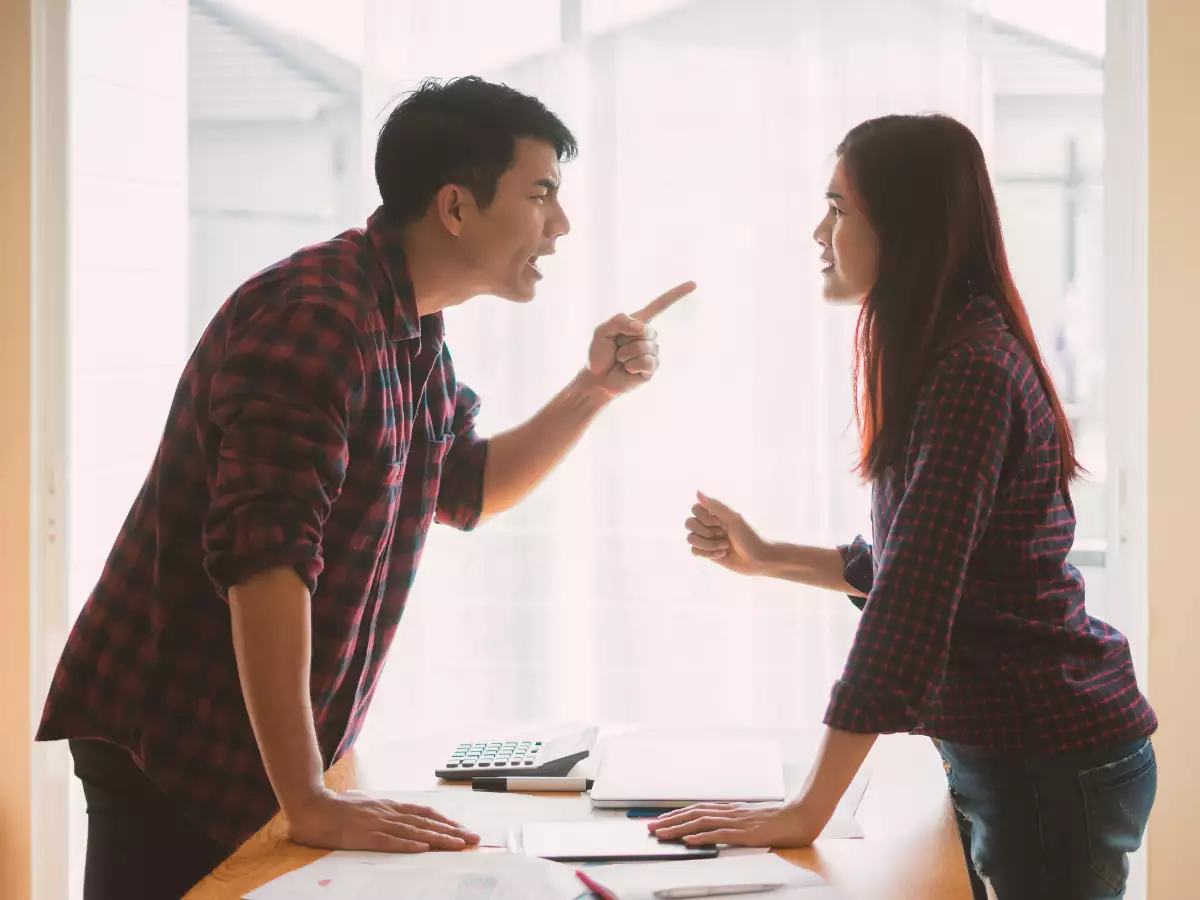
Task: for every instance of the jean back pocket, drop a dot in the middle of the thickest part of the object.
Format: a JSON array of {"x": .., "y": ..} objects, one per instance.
[{"x": 1117, "y": 798}]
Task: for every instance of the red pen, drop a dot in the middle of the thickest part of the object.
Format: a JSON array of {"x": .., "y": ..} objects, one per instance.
[{"x": 593, "y": 887}]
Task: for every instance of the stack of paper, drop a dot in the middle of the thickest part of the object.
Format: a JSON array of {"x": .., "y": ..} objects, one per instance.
[
  {"x": 722, "y": 876},
  {"x": 472, "y": 875}
]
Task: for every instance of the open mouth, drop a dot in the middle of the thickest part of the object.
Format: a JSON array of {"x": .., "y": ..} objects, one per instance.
[
  {"x": 532, "y": 262},
  {"x": 827, "y": 266}
]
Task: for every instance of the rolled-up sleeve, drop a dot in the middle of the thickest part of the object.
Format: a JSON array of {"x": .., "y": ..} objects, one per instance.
[
  {"x": 460, "y": 496},
  {"x": 953, "y": 462},
  {"x": 280, "y": 404},
  {"x": 858, "y": 567}
]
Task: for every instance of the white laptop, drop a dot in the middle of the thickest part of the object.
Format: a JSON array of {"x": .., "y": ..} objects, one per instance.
[{"x": 670, "y": 773}]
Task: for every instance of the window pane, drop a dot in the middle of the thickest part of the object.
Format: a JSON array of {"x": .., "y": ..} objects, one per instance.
[{"x": 231, "y": 133}]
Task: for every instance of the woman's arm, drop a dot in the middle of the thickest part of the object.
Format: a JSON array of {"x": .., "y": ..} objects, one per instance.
[
  {"x": 796, "y": 824},
  {"x": 821, "y": 567},
  {"x": 724, "y": 536}
]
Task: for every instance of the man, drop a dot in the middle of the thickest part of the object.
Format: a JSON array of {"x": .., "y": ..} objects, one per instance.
[{"x": 232, "y": 645}]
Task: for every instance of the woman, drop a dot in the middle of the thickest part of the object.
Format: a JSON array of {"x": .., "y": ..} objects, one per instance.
[{"x": 973, "y": 626}]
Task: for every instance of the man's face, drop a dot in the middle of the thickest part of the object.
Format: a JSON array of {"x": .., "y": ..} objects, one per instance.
[{"x": 503, "y": 242}]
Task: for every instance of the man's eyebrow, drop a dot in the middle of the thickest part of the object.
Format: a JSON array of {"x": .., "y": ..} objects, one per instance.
[
  {"x": 548, "y": 183},
  {"x": 833, "y": 195}
]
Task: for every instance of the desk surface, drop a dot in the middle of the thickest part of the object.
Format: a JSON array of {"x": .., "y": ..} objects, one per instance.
[{"x": 911, "y": 849}]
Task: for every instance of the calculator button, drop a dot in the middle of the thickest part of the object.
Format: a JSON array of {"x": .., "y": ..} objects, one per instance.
[
  {"x": 529, "y": 762},
  {"x": 452, "y": 765},
  {"x": 468, "y": 765}
]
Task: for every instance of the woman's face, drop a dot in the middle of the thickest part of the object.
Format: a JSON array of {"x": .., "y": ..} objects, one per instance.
[{"x": 849, "y": 245}]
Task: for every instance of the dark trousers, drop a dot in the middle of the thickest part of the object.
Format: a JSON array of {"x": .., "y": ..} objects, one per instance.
[
  {"x": 1053, "y": 827},
  {"x": 139, "y": 847}
]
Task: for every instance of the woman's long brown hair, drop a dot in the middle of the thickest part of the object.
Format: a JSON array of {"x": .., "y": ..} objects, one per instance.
[{"x": 923, "y": 184}]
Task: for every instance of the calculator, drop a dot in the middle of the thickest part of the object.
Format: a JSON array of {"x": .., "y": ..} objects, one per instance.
[{"x": 529, "y": 755}]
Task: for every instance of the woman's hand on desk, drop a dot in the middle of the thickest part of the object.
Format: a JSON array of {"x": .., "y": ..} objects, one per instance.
[
  {"x": 745, "y": 826},
  {"x": 718, "y": 533},
  {"x": 354, "y": 821}
]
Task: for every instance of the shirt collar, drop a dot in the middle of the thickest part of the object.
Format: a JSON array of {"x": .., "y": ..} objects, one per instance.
[
  {"x": 979, "y": 316},
  {"x": 405, "y": 320},
  {"x": 982, "y": 312}
]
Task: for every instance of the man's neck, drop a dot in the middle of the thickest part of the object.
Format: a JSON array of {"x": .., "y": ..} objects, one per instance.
[{"x": 437, "y": 279}]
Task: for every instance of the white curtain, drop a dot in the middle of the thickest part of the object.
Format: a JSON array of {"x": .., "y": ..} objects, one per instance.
[{"x": 707, "y": 131}]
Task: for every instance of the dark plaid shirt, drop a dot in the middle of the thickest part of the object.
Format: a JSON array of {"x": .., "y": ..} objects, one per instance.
[
  {"x": 318, "y": 425},
  {"x": 974, "y": 628}
]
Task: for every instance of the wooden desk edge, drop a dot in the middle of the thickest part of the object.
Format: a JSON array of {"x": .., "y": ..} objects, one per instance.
[{"x": 269, "y": 854}]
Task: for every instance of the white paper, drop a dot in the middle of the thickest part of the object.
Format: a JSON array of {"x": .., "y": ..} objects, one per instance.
[
  {"x": 639, "y": 881},
  {"x": 495, "y": 817},
  {"x": 479, "y": 875}
]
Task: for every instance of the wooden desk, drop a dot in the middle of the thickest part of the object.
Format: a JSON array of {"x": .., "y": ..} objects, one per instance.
[{"x": 911, "y": 849}]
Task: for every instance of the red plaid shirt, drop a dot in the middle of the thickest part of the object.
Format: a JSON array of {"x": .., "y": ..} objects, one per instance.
[
  {"x": 974, "y": 628},
  {"x": 317, "y": 425}
]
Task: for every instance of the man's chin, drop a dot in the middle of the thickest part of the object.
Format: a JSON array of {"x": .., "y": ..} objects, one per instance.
[{"x": 517, "y": 293}]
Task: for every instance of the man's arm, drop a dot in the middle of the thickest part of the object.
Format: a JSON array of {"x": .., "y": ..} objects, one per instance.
[
  {"x": 283, "y": 416},
  {"x": 272, "y": 639},
  {"x": 519, "y": 459},
  {"x": 623, "y": 354}
]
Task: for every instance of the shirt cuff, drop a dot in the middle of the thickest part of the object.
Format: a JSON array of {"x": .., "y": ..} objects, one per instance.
[
  {"x": 858, "y": 568},
  {"x": 257, "y": 539},
  {"x": 853, "y": 709},
  {"x": 460, "y": 496}
]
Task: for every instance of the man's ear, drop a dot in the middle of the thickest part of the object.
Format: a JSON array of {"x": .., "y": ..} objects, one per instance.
[{"x": 450, "y": 204}]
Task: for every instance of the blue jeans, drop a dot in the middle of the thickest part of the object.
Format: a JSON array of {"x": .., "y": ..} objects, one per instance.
[{"x": 1054, "y": 827}]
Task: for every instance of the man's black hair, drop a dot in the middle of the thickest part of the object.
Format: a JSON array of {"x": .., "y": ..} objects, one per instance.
[{"x": 461, "y": 131}]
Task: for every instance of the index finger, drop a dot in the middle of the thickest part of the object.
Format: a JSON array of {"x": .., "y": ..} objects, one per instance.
[
  {"x": 426, "y": 812},
  {"x": 663, "y": 302}
]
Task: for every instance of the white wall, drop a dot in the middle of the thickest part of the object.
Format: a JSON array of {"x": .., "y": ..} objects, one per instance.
[
  {"x": 128, "y": 271},
  {"x": 261, "y": 190},
  {"x": 128, "y": 188}
]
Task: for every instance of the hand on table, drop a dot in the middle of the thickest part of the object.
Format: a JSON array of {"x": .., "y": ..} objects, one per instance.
[
  {"x": 354, "y": 821},
  {"x": 718, "y": 533},
  {"x": 624, "y": 350},
  {"x": 740, "y": 824}
]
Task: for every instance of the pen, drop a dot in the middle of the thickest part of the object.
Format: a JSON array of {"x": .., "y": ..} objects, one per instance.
[
  {"x": 594, "y": 888},
  {"x": 723, "y": 890},
  {"x": 531, "y": 783}
]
